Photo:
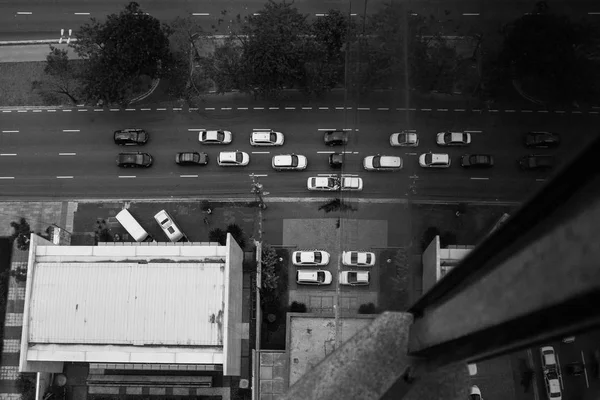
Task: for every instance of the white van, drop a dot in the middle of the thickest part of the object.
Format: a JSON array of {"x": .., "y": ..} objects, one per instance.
[{"x": 132, "y": 226}]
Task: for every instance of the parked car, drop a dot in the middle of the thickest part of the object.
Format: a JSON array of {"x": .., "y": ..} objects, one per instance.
[
  {"x": 537, "y": 162},
  {"x": 475, "y": 393},
  {"x": 548, "y": 357},
  {"x": 434, "y": 160},
  {"x": 569, "y": 339},
  {"x": 168, "y": 226},
  {"x": 215, "y": 137},
  {"x": 336, "y": 137},
  {"x": 336, "y": 160},
  {"x": 477, "y": 161},
  {"x": 354, "y": 278},
  {"x": 313, "y": 277},
  {"x": 358, "y": 258},
  {"x": 552, "y": 383},
  {"x": 310, "y": 258},
  {"x": 453, "y": 138},
  {"x": 382, "y": 163},
  {"x": 191, "y": 158},
  {"x": 404, "y": 139},
  {"x": 323, "y": 183},
  {"x": 289, "y": 162},
  {"x": 134, "y": 160},
  {"x": 541, "y": 139},
  {"x": 575, "y": 368},
  {"x": 233, "y": 159},
  {"x": 351, "y": 183},
  {"x": 128, "y": 137},
  {"x": 266, "y": 138}
]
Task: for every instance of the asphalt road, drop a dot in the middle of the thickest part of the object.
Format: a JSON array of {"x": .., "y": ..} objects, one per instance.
[{"x": 72, "y": 154}]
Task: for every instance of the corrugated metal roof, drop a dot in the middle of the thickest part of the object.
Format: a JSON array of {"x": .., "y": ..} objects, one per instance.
[{"x": 128, "y": 303}]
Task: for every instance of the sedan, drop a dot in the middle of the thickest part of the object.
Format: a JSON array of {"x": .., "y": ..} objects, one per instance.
[
  {"x": 537, "y": 162},
  {"x": 541, "y": 139},
  {"x": 433, "y": 160},
  {"x": 382, "y": 163},
  {"x": 266, "y": 138},
  {"x": 215, "y": 137},
  {"x": 336, "y": 137},
  {"x": 289, "y": 162},
  {"x": 358, "y": 258},
  {"x": 133, "y": 160},
  {"x": 548, "y": 357},
  {"x": 313, "y": 277},
  {"x": 351, "y": 183},
  {"x": 453, "y": 138},
  {"x": 168, "y": 226},
  {"x": 323, "y": 183},
  {"x": 191, "y": 158},
  {"x": 477, "y": 161},
  {"x": 404, "y": 139},
  {"x": 310, "y": 258},
  {"x": 336, "y": 160},
  {"x": 233, "y": 159},
  {"x": 127, "y": 137}
]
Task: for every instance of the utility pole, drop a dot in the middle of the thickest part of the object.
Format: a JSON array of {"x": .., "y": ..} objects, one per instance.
[{"x": 257, "y": 189}]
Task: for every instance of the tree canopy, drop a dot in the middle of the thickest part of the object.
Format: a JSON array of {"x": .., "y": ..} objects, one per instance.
[{"x": 61, "y": 77}]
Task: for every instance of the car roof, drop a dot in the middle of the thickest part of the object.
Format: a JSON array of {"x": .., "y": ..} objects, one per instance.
[
  {"x": 228, "y": 155},
  {"x": 285, "y": 159},
  {"x": 262, "y": 135},
  {"x": 439, "y": 157},
  {"x": 390, "y": 161}
]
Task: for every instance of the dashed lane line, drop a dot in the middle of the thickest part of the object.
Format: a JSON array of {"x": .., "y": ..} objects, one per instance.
[
  {"x": 10, "y": 131},
  {"x": 64, "y": 177},
  {"x": 126, "y": 176},
  {"x": 479, "y": 179},
  {"x": 7, "y": 177},
  {"x": 70, "y": 130},
  {"x": 67, "y": 154},
  {"x": 8, "y": 154},
  {"x": 188, "y": 176}
]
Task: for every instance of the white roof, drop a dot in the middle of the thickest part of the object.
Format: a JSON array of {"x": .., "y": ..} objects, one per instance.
[{"x": 262, "y": 135}]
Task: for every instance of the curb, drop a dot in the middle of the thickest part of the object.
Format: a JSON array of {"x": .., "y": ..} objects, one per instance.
[{"x": 148, "y": 93}]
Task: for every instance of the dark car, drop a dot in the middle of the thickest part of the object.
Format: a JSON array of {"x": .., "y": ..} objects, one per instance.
[
  {"x": 132, "y": 160},
  {"x": 191, "y": 158},
  {"x": 537, "y": 162},
  {"x": 336, "y": 137},
  {"x": 575, "y": 368},
  {"x": 130, "y": 137},
  {"x": 336, "y": 160},
  {"x": 541, "y": 139},
  {"x": 477, "y": 160}
]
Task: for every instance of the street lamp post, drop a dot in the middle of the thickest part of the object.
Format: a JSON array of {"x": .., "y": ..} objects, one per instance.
[{"x": 257, "y": 189}]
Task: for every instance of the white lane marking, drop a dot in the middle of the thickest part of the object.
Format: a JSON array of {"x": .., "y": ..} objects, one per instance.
[
  {"x": 273, "y": 108},
  {"x": 325, "y": 152},
  {"x": 323, "y": 108},
  {"x": 326, "y": 129},
  {"x": 193, "y": 108},
  {"x": 258, "y": 175},
  {"x": 307, "y": 108},
  {"x": 6, "y": 111},
  {"x": 51, "y": 110},
  {"x": 64, "y": 177},
  {"x": 24, "y": 13},
  {"x": 542, "y": 111},
  {"x": 8, "y": 154},
  {"x": 126, "y": 176},
  {"x": 459, "y": 109},
  {"x": 593, "y": 13},
  {"x": 382, "y": 109},
  {"x": 70, "y": 130},
  {"x": 7, "y": 177},
  {"x": 225, "y": 108},
  {"x": 67, "y": 154},
  {"x": 339, "y": 108},
  {"x": 196, "y": 129},
  {"x": 130, "y": 109},
  {"x": 509, "y": 111},
  {"x": 261, "y": 152},
  {"x": 479, "y": 179},
  {"x": 321, "y": 15},
  {"x": 81, "y": 13},
  {"x": 540, "y": 179},
  {"x": 442, "y": 109},
  {"x": 256, "y": 14},
  {"x": 161, "y": 109},
  {"x": 527, "y": 111},
  {"x": 188, "y": 176},
  {"x": 592, "y": 112},
  {"x": 414, "y": 177},
  {"x": 493, "y": 110},
  {"x": 115, "y": 109},
  {"x": 10, "y": 131},
  {"x": 587, "y": 382},
  {"x": 364, "y": 109},
  {"x": 98, "y": 109},
  {"x": 410, "y": 154},
  {"x": 62, "y": 110},
  {"x": 176, "y": 108},
  {"x": 261, "y": 129},
  {"x": 200, "y": 14},
  {"x": 349, "y": 152},
  {"x": 470, "y": 14},
  {"x": 242, "y": 108},
  {"x": 145, "y": 109},
  {"x": 24, "y": 111},
  {"x": 290, "y": 108},
  {"x": 37, "y": 110},
  {"x": 474, "y": 131},
  {"x": 425, "y": 109},
  {"x": 575, "y": 112},
  {"x": 81, "y": 110},
  {"x": 209, "y": 109}
]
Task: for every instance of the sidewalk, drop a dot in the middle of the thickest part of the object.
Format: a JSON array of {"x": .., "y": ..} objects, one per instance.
[{"x": 33, "y": 52}]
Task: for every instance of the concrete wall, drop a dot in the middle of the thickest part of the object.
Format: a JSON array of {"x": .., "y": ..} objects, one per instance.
[
  {"x": 232, "y": 343},
  {"x": 431, "y": 264}
]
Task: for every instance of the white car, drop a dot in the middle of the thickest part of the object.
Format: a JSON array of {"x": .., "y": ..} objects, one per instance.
[
  {"x": 358, "y": 258},
  {"x": 475, "y": 393},
  {"x": 314, "y": 258},
  {"x": 351, "y": 183},
  {"x": 548, "y": 357},
  {"x": 404, "y": 139},
  {"x": 168, "y": 226},
  {"x": 354, "y": 278},
  {"x": 215, "y": 137},
  {"x": 322, "y": 183},
  {"x": 266, "y": 138},
  {"x": 289, "y": 162},
  {"x": 313, "y": 277},
  {"x": 233, "y": 159},
  {"x": 434, "y": 160},
  {"x": 382, "y": 163},
  {"x": 453, "y": 138},
  {"x": 552, "y": 383}
]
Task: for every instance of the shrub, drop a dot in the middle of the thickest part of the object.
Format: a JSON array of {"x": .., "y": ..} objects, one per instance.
[
  {"x": 298, "y": 307},
  {"x": 218, "y": 235},
  {"x": 238, "y": 234},
  {"x": 368, "y": 308},
  {"x": 21, "y": 234}
]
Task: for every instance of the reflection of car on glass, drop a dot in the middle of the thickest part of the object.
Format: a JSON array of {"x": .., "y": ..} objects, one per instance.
[
  {"x": 168, "y": 226},
  {"x": 541, "y": 139},
  {"x": 128, "y": 137},
  {"x": 233, "y": 159},
  {"x": 552, "y": 383},
  {"x": 289, "y": 162},
  {"x": 191, "y": 158},
  {"x": 323, "y": 183},
  {"x": 453, "y": 138},
  {"x": 382, "y": 163},
  {"x": 477, "y": 161},
  {"x": 313, "y": 277},
  {"x": 134, "y": 159},
  {"x": 537, "y": 162},
  {"x": 266, "y": 138},
  {"x": 310, "y": 258},
  {"x": 404, "y": 139},
  {"x": 336, "y": 137},
  {"x": 475, "y": 393},
  {"x": 215, "y": 137},
  {"x": 434, "y": 160},
  {"x": 351, "y": 183},
  {"x": 575, "y": 368},
  {"x": 354, "y": 278},
  {"x": 336, "y": 160},
  {"x": 358, "y": 258}
]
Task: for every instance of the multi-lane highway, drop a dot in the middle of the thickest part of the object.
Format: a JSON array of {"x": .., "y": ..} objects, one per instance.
[{"x": 72, "y": 154}]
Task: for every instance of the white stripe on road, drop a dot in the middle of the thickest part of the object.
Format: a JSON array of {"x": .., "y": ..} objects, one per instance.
[
  {"x": 126, "y": 176},
  {"x": 24, "y": 13},
  {"x": 273, "y": 108},
  {"x": 325, "y": 152},
  {"x": 81, "y": 110},
  {"x": 10, "y": 131},
  {"x": 98, "y": 109},
  {"x": 70, "y": 130},
  {"x": 81, "y": 13},
  {"x": 117, "y": 109},
  {"x": 200, "y": 14},
  {"x": 258, "y": 175},
  {"x": 196, "y": 129},
  {"x": 540, "y": 179},
  {"x": 474, "y": 131},
  {"x": 242, "y": 108},
  {"x": 188, "y": 176},
  {"x": 7, "y": 177},
  {"x": 159, "y": 109},
  {"x": 67, "y": 154},
  {"x": 411, "y": 154},
  {"x": 258, "y": 108},
  {"x": 480, "y": 179},
  {"x": 587, "y": 382},
  {"x": 470, "y": 14},
  {"x": 260, "y": 152},
  {"x": 64, "y": 177},
  {"x": 8, "y": 154}
]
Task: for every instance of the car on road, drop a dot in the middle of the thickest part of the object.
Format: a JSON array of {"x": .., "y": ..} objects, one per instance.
[
  {"x": 129, "y": 137},
  {"x": 336, "y": 160},
  {"x": 336, "y": 137},
  {"x": 541, "y": 139},
  {"x": 575, "y": 368},
  {"x": 434, "y": 160},
  {"x": 354, "y": 278},
  {"x": 382, "y": 163},
  {"x": 191, "y": 158},
  {"x": 134, "y": 160},
  {"x": 453, "y": 138},
  {"x": 168, "y": 226},
  {"x": 215, "y": 137},
  {"x": 537, "y": 162},
  {"x": 358, "y": 258},
  {"x": 475, "y": 393},
  {"x": 266, "y": 138},
  {"x": 323, "y": 183},
  {"x": 548, "y": 357},
  {"x": 289, "y": 162},
  {"x": 233, "y": 159},
  {"x": 316, "y": 258},
  {"x": 477, "y": 161},
  {"x": 552, "y": 383},
  {"x": 404, "y": 139},
  {"x": 313, "y": 277},
  {"x": 351, "y": 183}
]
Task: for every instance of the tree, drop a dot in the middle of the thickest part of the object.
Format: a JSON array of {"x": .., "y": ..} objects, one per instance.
[
  {"x": 61, "y": 78},
  {"x": 368, "y": 308},
  {"x": 119, "y": 51},
  {"x": 238, "y": 234},
  {"x": 269, "y": 261},
  {"x": 21, "y": 233},
  {"x": 336, "y": 205},
  {"x": 223, "y": 66},
  {"x": 297, "y": 307},
  {"x": 218, "y": 235}
]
